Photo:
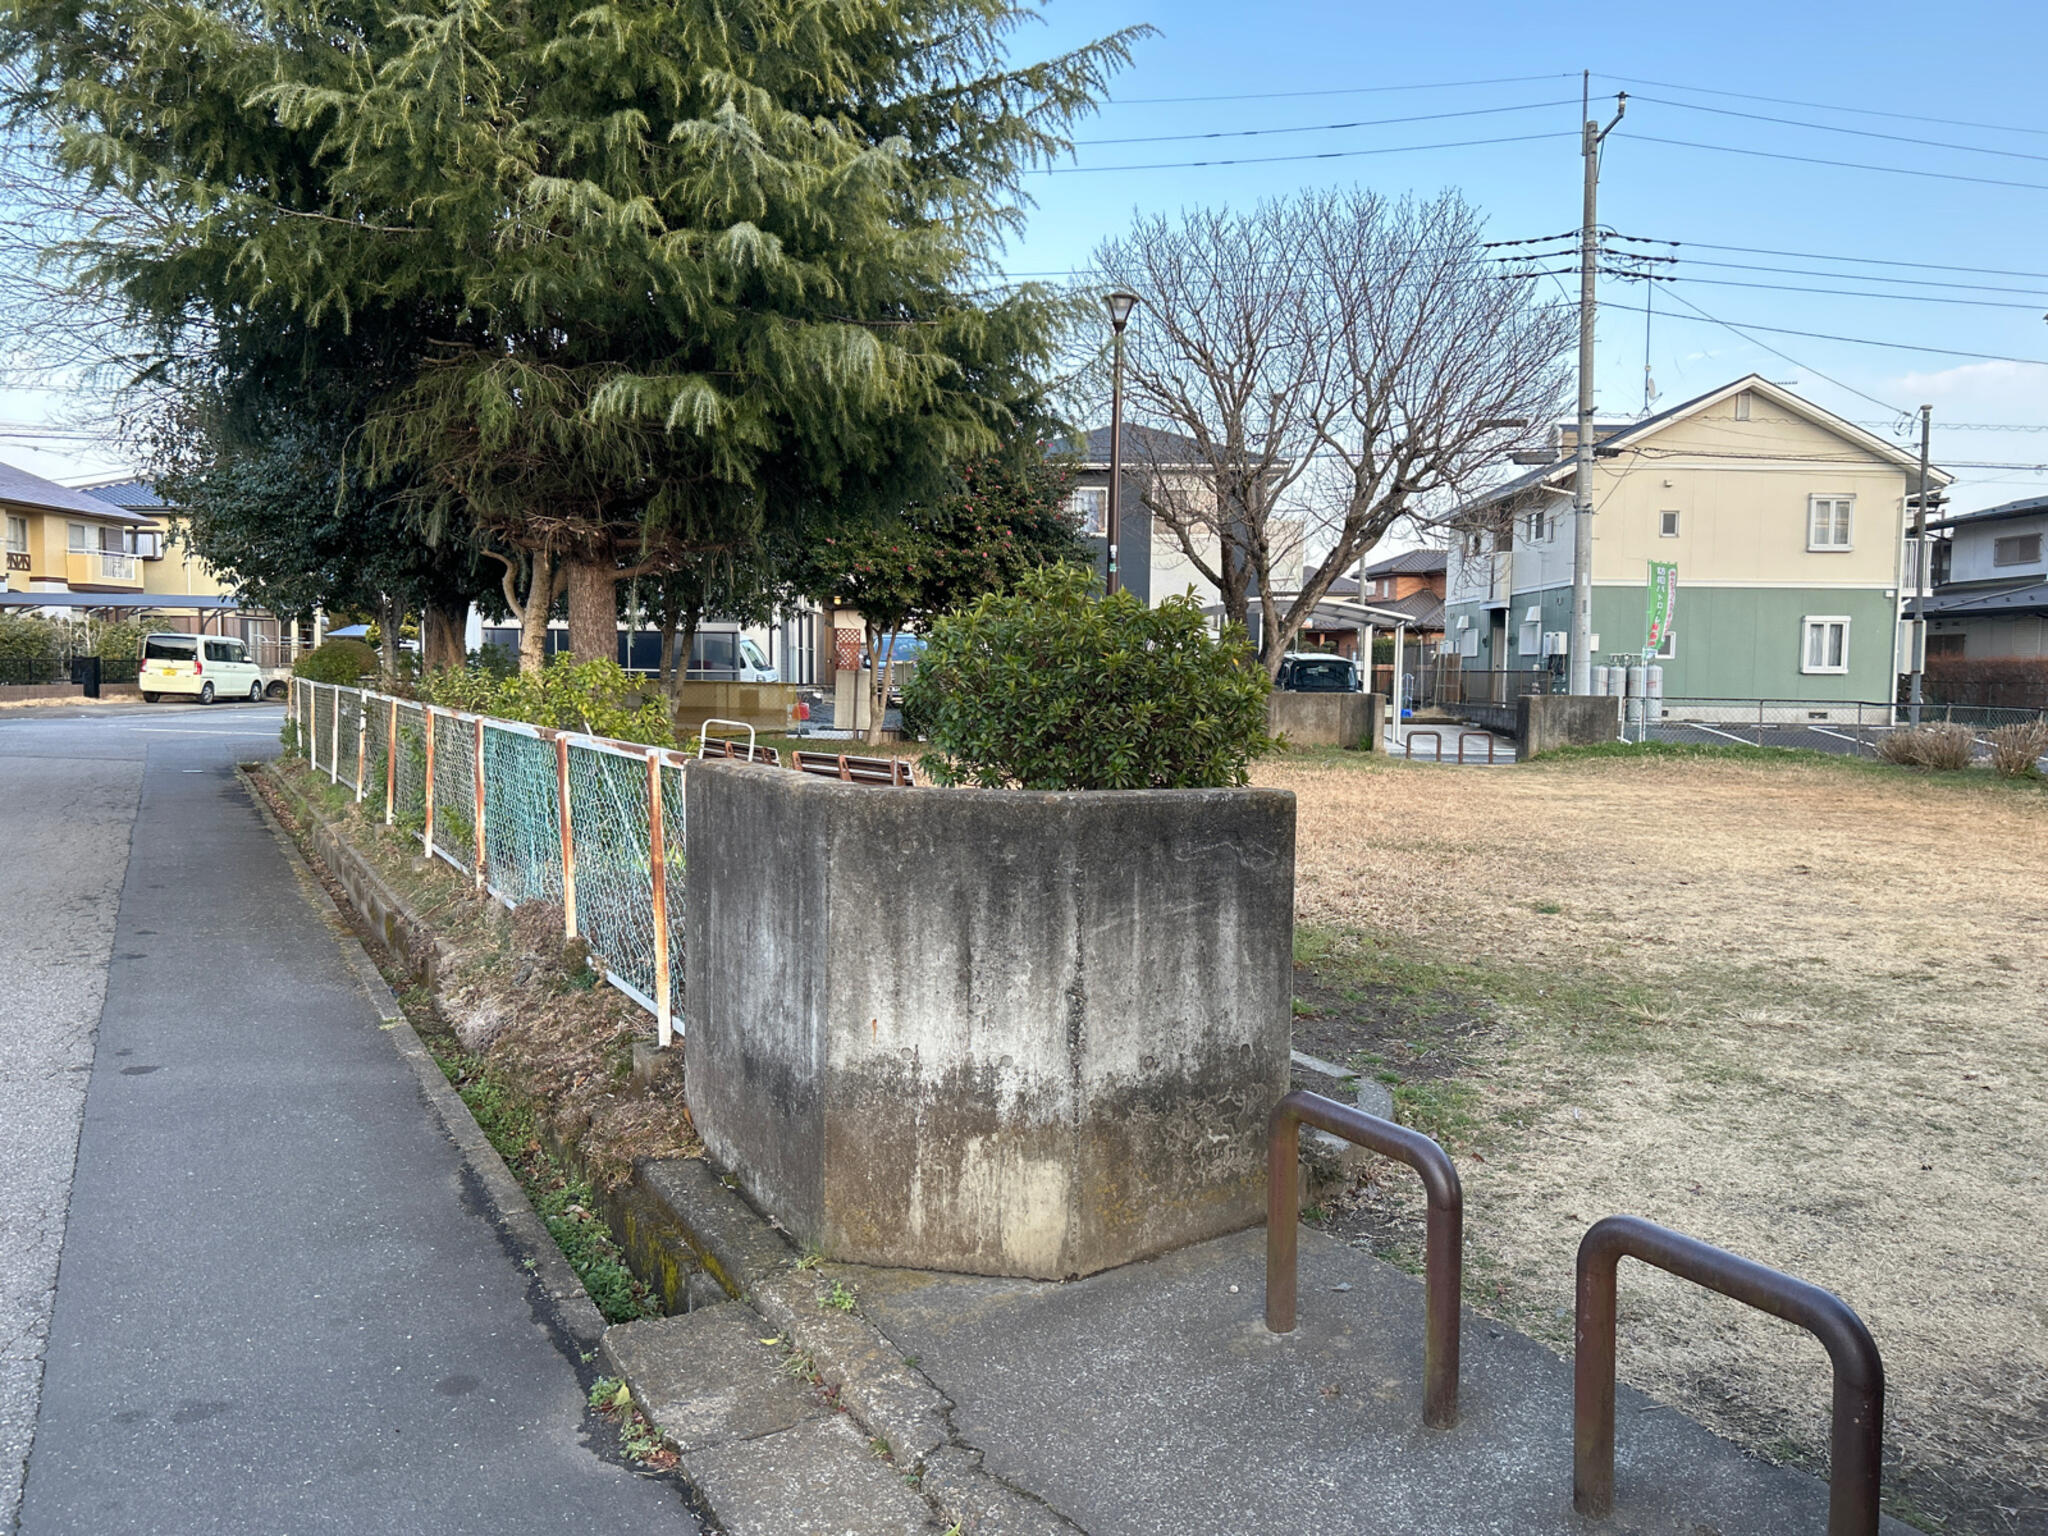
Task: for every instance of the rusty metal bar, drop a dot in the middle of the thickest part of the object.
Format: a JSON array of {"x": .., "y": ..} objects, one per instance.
[
  {"x": 391, "y": 763},
  {"x": 1444, "y": 1240},
  {"x": 427, "y": 834},
  {"x": 477, "y": 773},
  {"x": 657, "y": 860},
  {"x": 1465, "y": 736},
  {"x": 568, "y": 826},
  {"x": 1859, "y": 1373},
  {"x": 1408, "y": 744}
]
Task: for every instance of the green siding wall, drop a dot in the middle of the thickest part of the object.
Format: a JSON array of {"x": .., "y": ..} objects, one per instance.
[{"x": 1733, "y": 642}]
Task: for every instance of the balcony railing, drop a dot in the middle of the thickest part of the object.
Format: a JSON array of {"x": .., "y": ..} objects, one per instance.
[{"x": 100, "y": 568}]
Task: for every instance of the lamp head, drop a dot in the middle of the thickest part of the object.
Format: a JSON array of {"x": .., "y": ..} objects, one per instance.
[{"x": 1119, "y": 304}]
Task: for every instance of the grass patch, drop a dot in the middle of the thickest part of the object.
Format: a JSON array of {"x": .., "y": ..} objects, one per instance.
[{"x": 564, "y": 1201}]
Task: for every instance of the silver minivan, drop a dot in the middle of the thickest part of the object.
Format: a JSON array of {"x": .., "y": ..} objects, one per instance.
[{"x": 202, "y": 667}]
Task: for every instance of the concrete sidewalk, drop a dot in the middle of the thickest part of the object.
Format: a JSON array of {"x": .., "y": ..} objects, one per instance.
[
  {"x": 282, "y": 1304},
  {"x": 1151, "y": 1399}
]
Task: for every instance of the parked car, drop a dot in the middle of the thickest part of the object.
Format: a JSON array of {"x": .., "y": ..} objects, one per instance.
[
  {"x": 1304, "y": 672},
  {"x": 201, "y": 667}
]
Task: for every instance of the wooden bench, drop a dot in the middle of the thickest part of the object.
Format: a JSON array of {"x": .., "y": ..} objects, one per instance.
[
  {"x": 855, "y": 770},
  {"x": 739, "y": 751}
]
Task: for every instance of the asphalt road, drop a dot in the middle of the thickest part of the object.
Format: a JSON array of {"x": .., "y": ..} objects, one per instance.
[{"x": 279, "y": 1307}]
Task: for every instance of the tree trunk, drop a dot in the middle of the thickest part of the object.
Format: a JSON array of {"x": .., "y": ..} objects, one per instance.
[
  {"x": 880, "y": 674},
  {"x": 593, "y": 610},
  {"x": 685, "y": 641},
  {"x": 533, "y": 612},
  {"x": 441, "y": 636},
  {"x": 390, "y": 624}
]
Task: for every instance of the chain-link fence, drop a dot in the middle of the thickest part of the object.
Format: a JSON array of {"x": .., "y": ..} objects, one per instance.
[
  {"x": 529, "y": 815},
  {"x": 1815, "y": 725}
]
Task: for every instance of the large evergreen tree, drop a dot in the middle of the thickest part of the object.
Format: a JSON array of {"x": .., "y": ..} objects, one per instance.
[{"x": 673, "y": 273}]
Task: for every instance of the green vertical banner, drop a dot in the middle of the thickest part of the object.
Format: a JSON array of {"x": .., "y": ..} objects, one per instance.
[{"x": 1657, "y": 616}]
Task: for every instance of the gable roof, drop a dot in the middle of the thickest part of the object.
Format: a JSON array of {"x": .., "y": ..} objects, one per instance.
[
  {"x": 1611, "y": 439},
  {"x": 135, "y": 495},
  {"x": 27, "y": 490},
  {"x": 1414, "y": 562},
  {"x": 1142, "y": 445},
  {"x": 2026, "y": 506}
]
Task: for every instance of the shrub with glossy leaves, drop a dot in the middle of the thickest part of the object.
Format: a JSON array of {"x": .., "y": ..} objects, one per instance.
[
  {"x": 1049, "y": 686},
  {"x": 346, "y": 662},
  {"x": 599, "y": 698}
]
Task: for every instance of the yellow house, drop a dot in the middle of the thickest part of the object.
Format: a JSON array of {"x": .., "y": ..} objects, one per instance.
[
  {"x": 63, "y": 540},
  {"x": 169, "y": 568}
]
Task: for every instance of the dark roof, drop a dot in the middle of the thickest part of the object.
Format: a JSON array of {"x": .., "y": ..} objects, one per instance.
[
  {"x": 1980, "y": 602},
  {"x": 27, "y": 490},
  {"x": 1142, "y": 445},
  {"x": 135, "y": 495},
  {"x": 1425, "y": 610},
  {"x": 1415, "y": 562},
  {"x": 2030, "y": 506}
]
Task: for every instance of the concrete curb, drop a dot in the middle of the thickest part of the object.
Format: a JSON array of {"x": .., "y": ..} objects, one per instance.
[{"x": 524, "y": 1231}]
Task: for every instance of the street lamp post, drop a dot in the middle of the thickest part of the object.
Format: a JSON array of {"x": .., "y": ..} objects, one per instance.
[{"x": 1120, "y": 304}]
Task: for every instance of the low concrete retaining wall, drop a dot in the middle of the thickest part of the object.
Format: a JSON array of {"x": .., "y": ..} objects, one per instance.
[
  {"x": 1545, "y": 722},
  {"x": 18, "y": 693},
  {"x": 1328, "y": 719},
  {"x": 995, "y": 1031}
]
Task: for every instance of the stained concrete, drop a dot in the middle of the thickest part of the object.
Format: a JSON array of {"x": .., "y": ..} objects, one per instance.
[
  {"x": 1545, "y": 722},
  {"x": 283, "y": 1303},
  {"x": 1328, "y": 719},
  {"x": 1000, "y": 1032},
  {"x": 1151, "y": 1401}
]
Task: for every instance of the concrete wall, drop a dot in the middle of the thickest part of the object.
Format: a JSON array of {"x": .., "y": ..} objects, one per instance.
[
  {"x": 1547, "y": 722},
  {"x": 995, "y": 1031},
  {"x": 1327, "y": 719},
  {"x": 765, "y": 706}
]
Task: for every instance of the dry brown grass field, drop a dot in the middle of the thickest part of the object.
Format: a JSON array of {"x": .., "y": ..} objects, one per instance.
[{"x": 1796, "y": 1007}]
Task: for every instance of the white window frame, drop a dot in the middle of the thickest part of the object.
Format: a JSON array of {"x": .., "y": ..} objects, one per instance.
[
  {"x": 77, "y": 539},
  {"x": 1530, "y": 640},
  {"x": 17, "y": 535},
  {"x": 1667, "y": 524},
  {"x": 1742, "y": 406},
  {"x": 1090, "y": 504},
  {"x": 1848, "y": 517},
  {"x": 1812, "y": 624}
]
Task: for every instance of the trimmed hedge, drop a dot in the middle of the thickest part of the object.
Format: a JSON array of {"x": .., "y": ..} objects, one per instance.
[{"x": 346, "y": 662}]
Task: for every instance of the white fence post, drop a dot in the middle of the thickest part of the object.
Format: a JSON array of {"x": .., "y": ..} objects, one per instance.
[{"x": 657, "y": 859}]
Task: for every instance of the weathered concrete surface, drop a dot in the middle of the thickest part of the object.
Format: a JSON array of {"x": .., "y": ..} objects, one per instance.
[
  {"x": 1328, "y": 719},
  {"x": 820, "y": 1478},
  {"x": 273, "y": 1244},
  {"x": 708, "y": 1377},
  {"x": 1153, "y": 1400},
  {"x": 1000, "y": 1032},
  {"x": 70, "y": 806},
  {"x": 1545, "y": 722}
]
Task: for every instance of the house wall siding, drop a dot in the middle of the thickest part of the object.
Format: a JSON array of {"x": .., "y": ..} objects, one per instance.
[{"x": 1972, "y": 548}]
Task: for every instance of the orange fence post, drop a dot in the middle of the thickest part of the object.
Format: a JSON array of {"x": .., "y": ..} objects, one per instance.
[
  {"x": 568, "y": 827},
  {"x": 477, "y": 773},
  {"x": 390, "y": 762},
  {"x": 427, "y": 716}
]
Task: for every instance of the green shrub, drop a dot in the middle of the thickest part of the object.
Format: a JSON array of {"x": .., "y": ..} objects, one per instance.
[
  {"x": 346, "y": 662},
  {"x": 29, "y": 650},
  {"x": 597, "y": 697},
  {"x": 1049, "y": 686}
]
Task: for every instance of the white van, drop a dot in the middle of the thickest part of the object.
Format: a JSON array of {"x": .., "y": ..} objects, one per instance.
[{"x": 203, "y": 667}]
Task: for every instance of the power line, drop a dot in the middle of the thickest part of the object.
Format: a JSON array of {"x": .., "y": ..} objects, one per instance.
[
  {"x": 1356, "y": 90},
  {"x": 1333, "y": 154},
  {"x": 1783, "y": 356},
  {"x": 1867, "y": 261},
  {"x": 1854, "y": 341},
  {"x": 1845, "y": 293},
  {"x": 1862, "y": 133},
  {"x": 1847, "y": 165},
  {"x": 1377, "y": 122},
  {"x": 1859, "y": 277},
  {"x": 1823, "y": 106},
  {"x": 1975, "y": 426}
]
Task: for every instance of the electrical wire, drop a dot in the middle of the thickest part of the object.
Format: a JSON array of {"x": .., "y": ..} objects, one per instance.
[
  {"x": 1821, "y": 106},
  {"x": 1332, "y": 154},
  {"x": 1861, "y": 133},
  {"x": 1845, "y": 293},
  {"x": 1865, "y": 261},
  {"x": 1374, "y": 122},
  {"x": 1854, "y": 277},
  {"x": 1854, "y": 341},
  {"x": 1355, "y": 90},
  {"x": 1846, "y": 165}
]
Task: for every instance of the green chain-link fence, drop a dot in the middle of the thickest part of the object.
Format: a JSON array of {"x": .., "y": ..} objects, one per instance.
[{"x": 626, "y": 905}]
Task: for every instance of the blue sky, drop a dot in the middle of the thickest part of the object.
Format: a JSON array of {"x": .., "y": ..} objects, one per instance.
[{"x": 1972, "y": 63}]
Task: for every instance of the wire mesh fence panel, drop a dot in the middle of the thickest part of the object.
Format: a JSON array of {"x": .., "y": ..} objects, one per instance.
[
  {"x": 409, "y": 792},
  {"x": 321, "y": 754},
  {"x": 376, "y": 746},
  {"x": 674, "y": 861},
  {"x": 348, "y": 708},
  {"x": 455, "y": 790},
  {"x": 522, "y": 818},
  {"x": 614, "y": 874}
]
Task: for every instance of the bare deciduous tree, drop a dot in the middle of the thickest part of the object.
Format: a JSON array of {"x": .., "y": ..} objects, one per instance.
[{"x": 1307, "y": 374}]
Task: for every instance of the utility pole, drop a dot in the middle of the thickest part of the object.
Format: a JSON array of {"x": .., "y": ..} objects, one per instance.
[
  {"x": 1582, "y": 481},
  {"x": 1916, "y": 632}
]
